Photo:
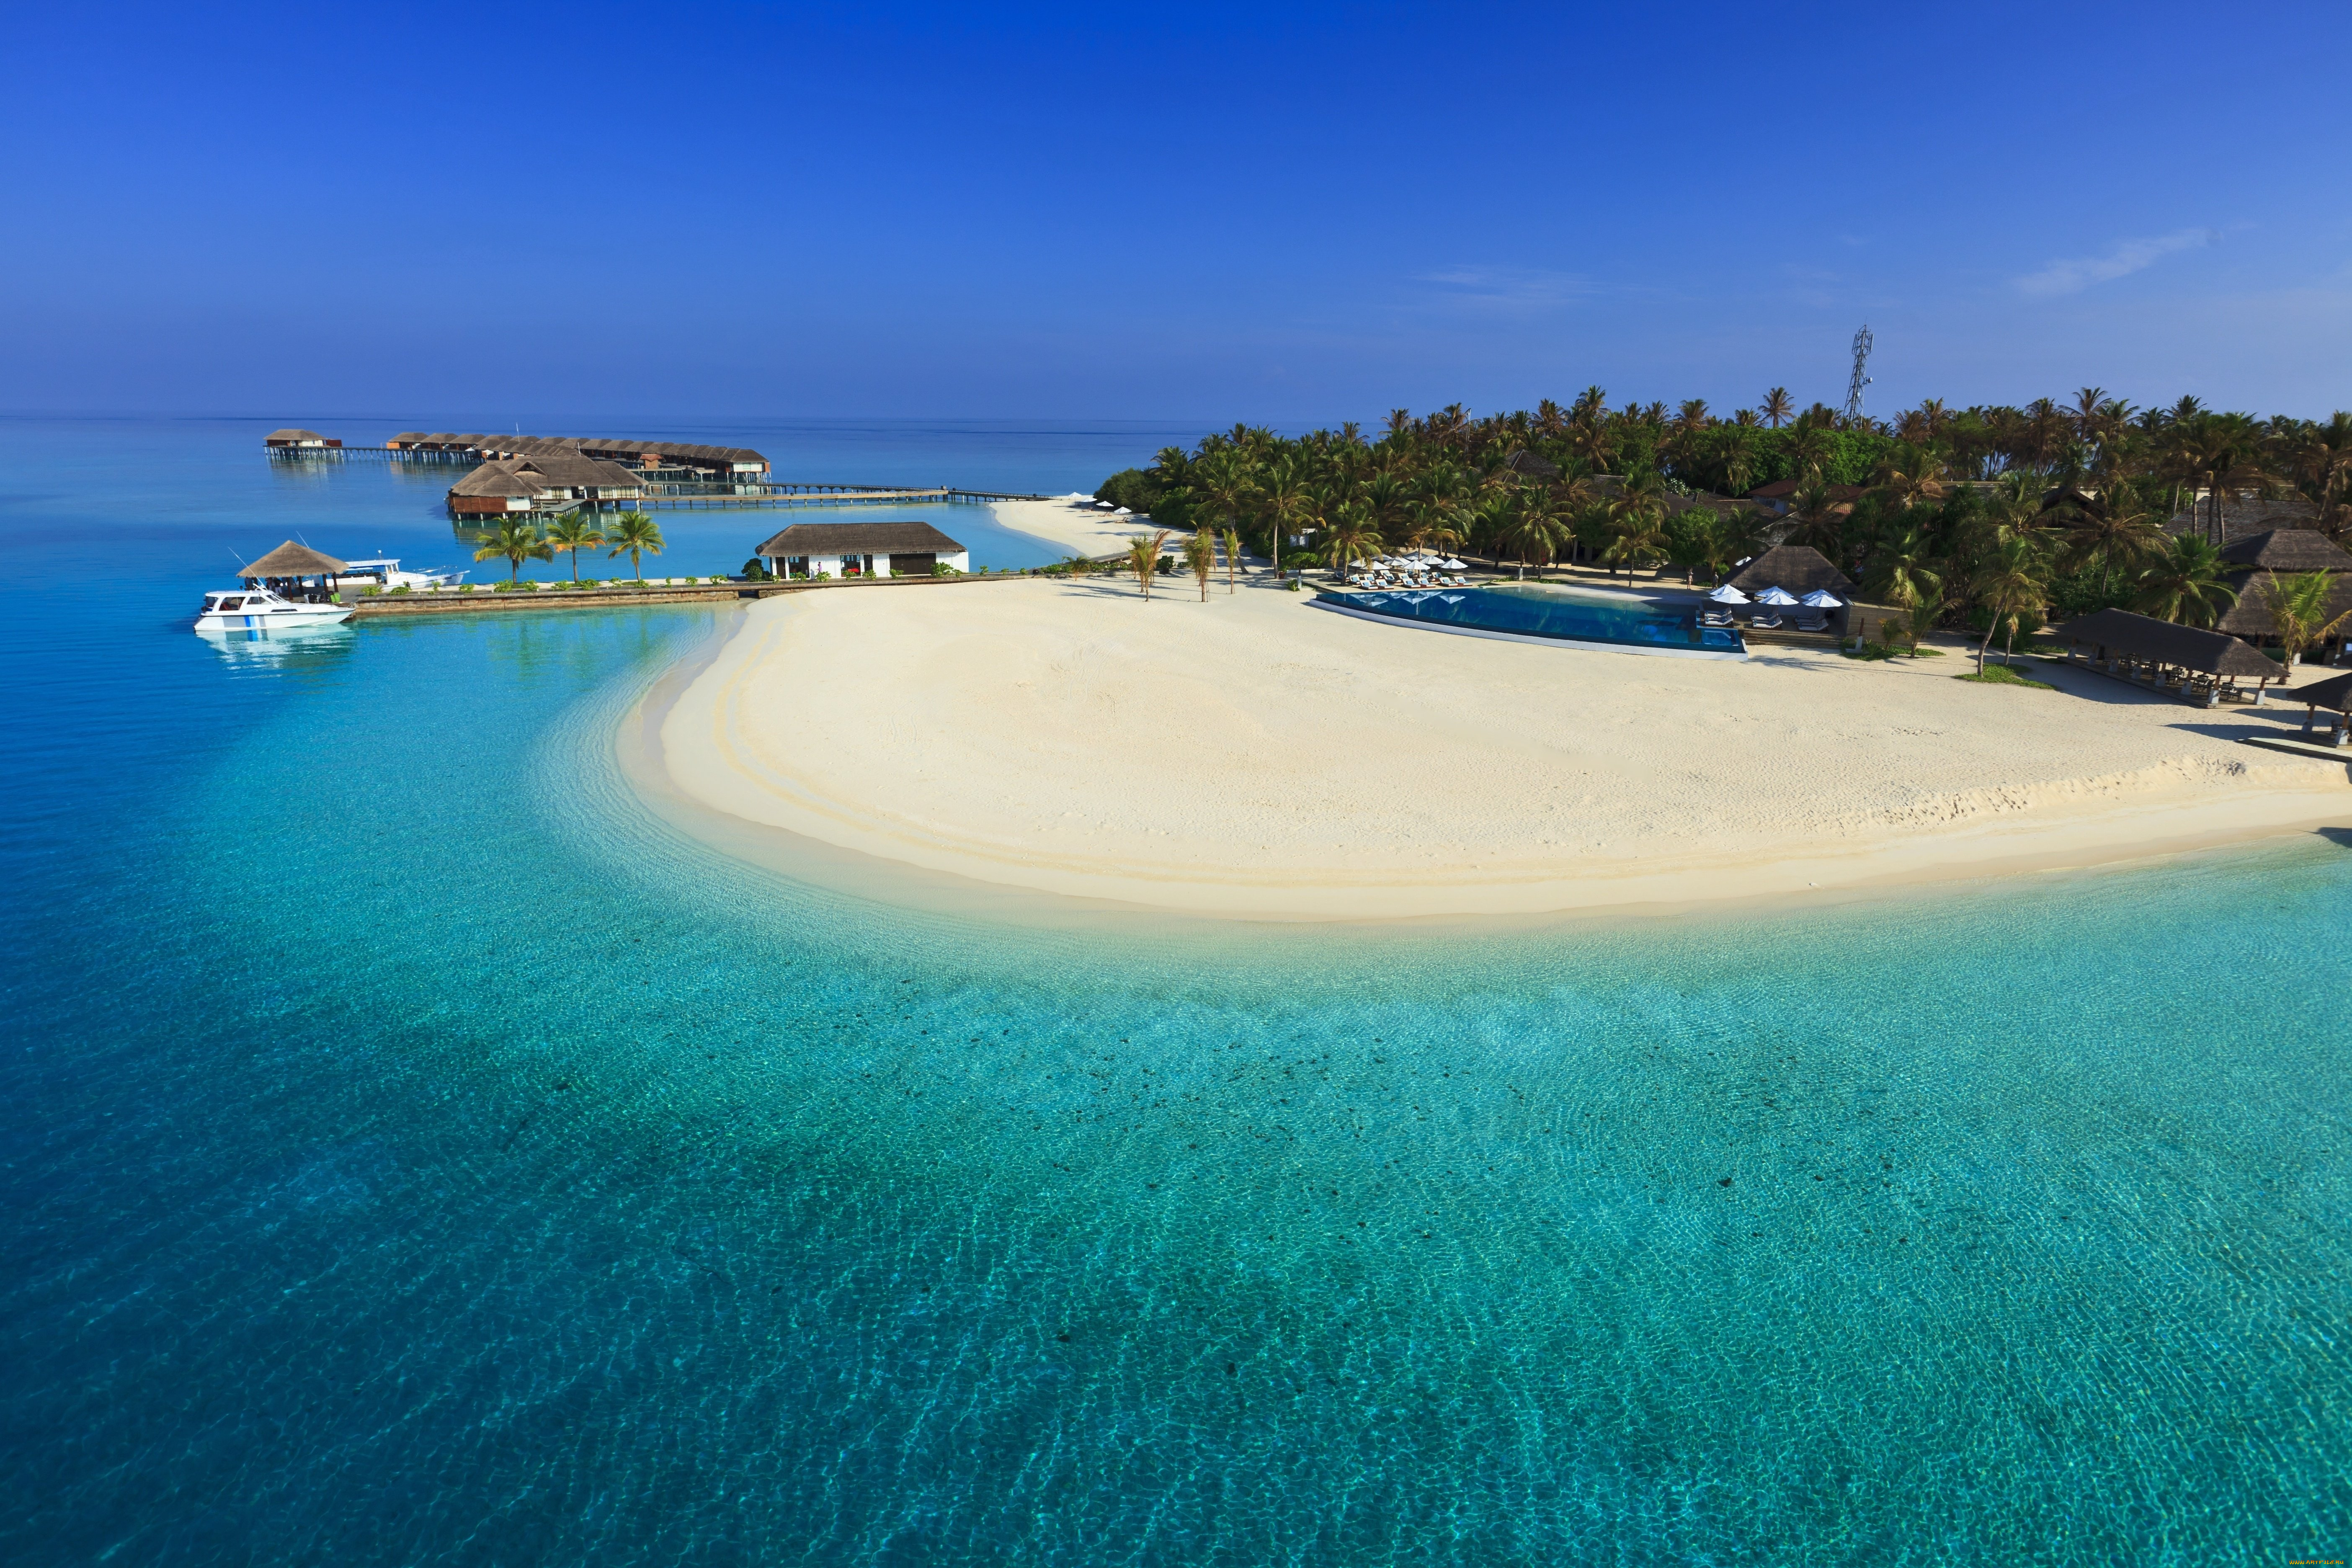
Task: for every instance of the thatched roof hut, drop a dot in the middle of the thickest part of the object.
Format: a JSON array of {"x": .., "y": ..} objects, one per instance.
[
  {"x": 2121, "y": 633},
  {"x": 859, "y": 538},
  {"x": 1526, "y": 465},
  {"x": 292, "y": 560},
  {"x": 2334, "y": 692},
  {"x": 1799, "y": 568},
  {"x": 2287, "y": 550}
]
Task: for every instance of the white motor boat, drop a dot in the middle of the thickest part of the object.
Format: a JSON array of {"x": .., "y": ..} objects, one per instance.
[
  {"x": 384, "y": 572},
  {"x": 259, "y": 609}
]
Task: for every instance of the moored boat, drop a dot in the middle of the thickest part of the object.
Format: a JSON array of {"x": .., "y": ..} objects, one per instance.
[{"x": 256, "y": 609}]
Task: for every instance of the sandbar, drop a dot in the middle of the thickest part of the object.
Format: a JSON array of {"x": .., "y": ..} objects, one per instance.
[{"x": 1249, "y": 756}]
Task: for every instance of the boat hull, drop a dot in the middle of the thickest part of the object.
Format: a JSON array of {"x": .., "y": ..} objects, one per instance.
[{"x": 282, "y": 618}]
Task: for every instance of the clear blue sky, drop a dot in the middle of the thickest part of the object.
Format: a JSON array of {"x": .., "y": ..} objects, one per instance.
[{"x": 1291, "y": 215}]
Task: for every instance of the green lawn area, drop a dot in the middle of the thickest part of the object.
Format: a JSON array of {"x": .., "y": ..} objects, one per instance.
[{"x": 2002, "y": 675}]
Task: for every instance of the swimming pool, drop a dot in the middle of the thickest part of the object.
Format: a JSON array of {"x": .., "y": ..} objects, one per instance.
[{"x": 1554, "y": 616}]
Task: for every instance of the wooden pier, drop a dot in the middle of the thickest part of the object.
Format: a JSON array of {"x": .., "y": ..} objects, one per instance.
[
  {"x": 829, "y": 495},
  {"x": 604, "y": 597}
]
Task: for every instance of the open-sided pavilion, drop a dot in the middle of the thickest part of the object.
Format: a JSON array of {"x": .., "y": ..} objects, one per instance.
[{"x": 2204, "y": 668}]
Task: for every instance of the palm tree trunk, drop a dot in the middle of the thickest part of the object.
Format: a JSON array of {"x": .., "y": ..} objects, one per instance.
[{"x": 1986, "y": 647}]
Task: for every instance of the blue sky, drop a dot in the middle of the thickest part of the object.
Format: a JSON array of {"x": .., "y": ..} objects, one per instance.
[{"x": 1301, "y": 214}]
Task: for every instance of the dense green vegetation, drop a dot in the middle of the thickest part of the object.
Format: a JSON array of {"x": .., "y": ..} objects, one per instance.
[{"x": 1977, "y": 517}]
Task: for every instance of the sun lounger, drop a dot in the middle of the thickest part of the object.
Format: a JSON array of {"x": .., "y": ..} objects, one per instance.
[
  {"x": 1766, "y": 621},
  {"x": 1716, "y": 618},
  {"x": 1813, "y": 621}
]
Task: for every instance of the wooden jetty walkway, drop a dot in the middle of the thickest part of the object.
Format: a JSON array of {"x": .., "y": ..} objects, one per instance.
[
  {"x": 602, "y": 598},
  {"x": 828, "y": 495}
]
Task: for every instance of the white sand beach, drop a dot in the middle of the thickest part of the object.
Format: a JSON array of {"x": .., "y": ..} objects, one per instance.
[
  {"x": 1253, "y": 756},
  {"x": 1077, "y": 528}
]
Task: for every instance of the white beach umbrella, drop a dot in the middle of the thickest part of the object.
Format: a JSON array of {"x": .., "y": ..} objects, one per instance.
[
  {"x": 1121, "y": 512},
  {"x": 1822, "y": 599},
  {"x": 1102, "y": 506},
  {"x": 1453, "y": 565},
  {"x": 1776, "y": 595},
  {"x": 1728, "y": 594}
]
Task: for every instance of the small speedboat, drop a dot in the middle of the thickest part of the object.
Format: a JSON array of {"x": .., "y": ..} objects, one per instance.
[
  {"x": 259, "y": 609},
  {"x": 384, "y": 572}
]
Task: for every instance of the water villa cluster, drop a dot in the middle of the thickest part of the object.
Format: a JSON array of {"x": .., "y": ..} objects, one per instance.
[{"x": 530, "y": 474}]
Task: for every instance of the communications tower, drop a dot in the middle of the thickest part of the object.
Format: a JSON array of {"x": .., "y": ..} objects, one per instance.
[{"x": 1853, "y": 386}]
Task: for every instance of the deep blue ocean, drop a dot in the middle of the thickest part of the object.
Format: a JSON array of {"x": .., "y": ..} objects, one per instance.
[{"x": 413, "y": 1150}]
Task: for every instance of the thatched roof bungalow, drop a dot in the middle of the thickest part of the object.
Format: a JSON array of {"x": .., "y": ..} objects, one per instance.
[
  {"x": 2280, "y": 552},
  {"x": 862, "y": 550},
  {"x": 292, "y": 440},
  {"x": 1799, "y": 568},
  {"x": 547, "y": 483}
]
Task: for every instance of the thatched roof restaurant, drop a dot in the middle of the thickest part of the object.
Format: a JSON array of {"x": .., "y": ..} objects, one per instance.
[
  {"x": 862, "y": 550},
  {"x": 2209, "y": 664},
  {"x": 1799, "y": 568}
]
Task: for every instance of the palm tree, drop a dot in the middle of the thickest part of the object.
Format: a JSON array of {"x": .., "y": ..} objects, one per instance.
[
  {"x": 572, "y": 533},
  {"x": 2326, "y": 458},
  {"x": 1913, "y": 476},
  {"x": 639, "y": 534},
  {"x": 1712, "y": 543},
  {"x": 1810, "y": 450},
  {"x": 1143, "y": 555},
  {"x": 1349, "y": 536},
  {"x": 1778, "y": 406},
  {"x": 2186, "y": 584},
  {"x": 1233, "y": 542},
  {"x": 1201, "y": 555},
  {"x": 2119, "y": 529},
  {"x": 516, "y": 540},
  {"x": 2298, "y": 605},
  {"x": 2012, "y": 584},
  {"x": 1819, "y": 519},
  {"x": 1638, "y": 536},
  {"x": 1904, "y": 574},
  {"x": 1530, "y": 526},
  {"x": 1289, "y": 497},
  {"x": 1739, "y": 459}
]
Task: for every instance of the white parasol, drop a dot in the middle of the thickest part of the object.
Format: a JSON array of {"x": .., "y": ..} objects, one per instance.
[
  {"x": 1776, "y": 595},
  {"x": 1728, "y": 594},
  {"x": 1822, "y": 599}
]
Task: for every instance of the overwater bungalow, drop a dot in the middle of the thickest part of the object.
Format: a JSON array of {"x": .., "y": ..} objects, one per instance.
[
  {"x": 557, "y": 482},
  {"x": 862, "y": 550},
  {"x": 2203, "y": 668},
  {"x": 677, "y": 460},
  {"x": 297, "y": 440}
]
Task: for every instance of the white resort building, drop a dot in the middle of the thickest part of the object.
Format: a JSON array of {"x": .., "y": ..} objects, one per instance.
[{"x": 862, "y": 550}]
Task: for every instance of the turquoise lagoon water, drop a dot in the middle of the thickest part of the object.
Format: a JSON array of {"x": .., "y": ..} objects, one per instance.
[{"x": 413, "y": 1150}]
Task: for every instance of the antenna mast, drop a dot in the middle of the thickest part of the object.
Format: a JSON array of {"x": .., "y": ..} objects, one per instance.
[{"x": 1854, "y": 387}]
